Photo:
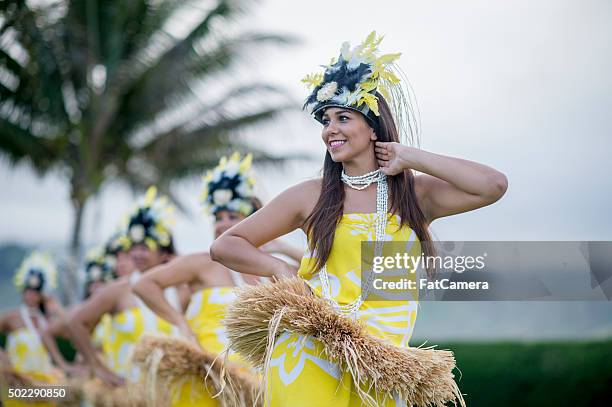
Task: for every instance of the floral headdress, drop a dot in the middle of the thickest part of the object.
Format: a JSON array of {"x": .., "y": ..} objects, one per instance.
[
  {"x": 97, "y": 267},
  {"x": 149, "y": 222},
  {"x": 353, "y": 81},
  {"x": 118, "y": 242},
  {"x": 36, "y": 272},
  {"x": 229, "y": 186}
]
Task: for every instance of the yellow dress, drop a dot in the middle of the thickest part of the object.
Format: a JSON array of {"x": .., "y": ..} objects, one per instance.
[
  {"x": 300, "y": 375},
  {"x": 126, "y": 329},
  {"x": 29, "y": 356},
  {"x": 205, "y": 313},
  {"x": 102, "y": 331}
]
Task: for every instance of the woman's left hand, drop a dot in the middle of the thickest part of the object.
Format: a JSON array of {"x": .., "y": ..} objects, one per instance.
[{"x": 391, "y": 157}]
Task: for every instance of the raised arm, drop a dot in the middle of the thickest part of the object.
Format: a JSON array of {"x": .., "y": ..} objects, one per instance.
[
  {"x": 237, "y": 247},
  {"x": 448, "y": 185},
  {"x": 150, "y": 287},
  {"x": 54, "y": 352},
  {"x": 84, "y": 319}
]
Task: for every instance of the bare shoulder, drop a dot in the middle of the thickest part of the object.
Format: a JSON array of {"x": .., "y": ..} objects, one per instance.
[
  {"x": 310, "y": 186},
  {"x": 305, "y": 195},
  {"x": 9, "y": 321},
  {"x": 197, "y": 265}
]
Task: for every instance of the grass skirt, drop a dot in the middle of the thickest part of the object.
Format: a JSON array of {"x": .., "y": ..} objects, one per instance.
[{"x": 420, "y": 376}]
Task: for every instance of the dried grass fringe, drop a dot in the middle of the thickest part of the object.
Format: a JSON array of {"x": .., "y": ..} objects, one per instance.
[
  {"x": 100, "y": 394},
  {"x": 420, "y": 376},
  {"x": 171, "y": 360}
]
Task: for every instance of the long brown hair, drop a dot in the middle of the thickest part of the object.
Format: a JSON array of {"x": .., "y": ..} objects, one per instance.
[{"x": 320, "y": 225}]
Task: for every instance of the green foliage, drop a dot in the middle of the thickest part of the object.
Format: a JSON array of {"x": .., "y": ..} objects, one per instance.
[{"x": 537, "y": 374}]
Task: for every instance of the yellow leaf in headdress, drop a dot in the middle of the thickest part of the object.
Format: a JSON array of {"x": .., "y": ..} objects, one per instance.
[
  {"x": 151, "y": 244},
  {"x": 370, "y": 45},
  {"x": 245, "y": 165},
  {"x": 222, "y": 162},
  {"x": 371, "y": 101},
  {"x": 369, "y": 85},
  {"x": 390, "y": 77},
  {"x": 389, "y": 58},
  {"x": 385, "y": 92},
  {"x": 313, "y": 80},
  {"x": 371, "y": 37},
  {"x": 150, "y": 195},
  {"x": 125, "y": 241}
]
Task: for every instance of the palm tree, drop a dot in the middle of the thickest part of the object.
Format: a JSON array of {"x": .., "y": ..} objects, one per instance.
[{"x": 107, "y": 90}]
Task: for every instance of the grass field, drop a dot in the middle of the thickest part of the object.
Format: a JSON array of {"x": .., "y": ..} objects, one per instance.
[{"x": 535, "y": 374}]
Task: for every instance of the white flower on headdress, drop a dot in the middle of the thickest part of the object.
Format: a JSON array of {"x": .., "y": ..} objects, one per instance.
[
  {"x": 244, "y": 189},
  {"x": 95, "y": 273},
  {"x": 342, "y": 98},
  {"x": 41, "y": 262},
  {"x": 137, "y": 233},
  {"x": 33, "y": 281},
  {"x": 222, "y": 196},
  {"x": 327, "y": 91}
]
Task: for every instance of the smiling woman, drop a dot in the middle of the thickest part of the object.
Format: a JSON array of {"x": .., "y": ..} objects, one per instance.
[{"x": 317, "y": 353}]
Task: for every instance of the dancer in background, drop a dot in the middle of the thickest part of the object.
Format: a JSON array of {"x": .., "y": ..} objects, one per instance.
[
  {"x": 117, "y": 255},
  {"x": 228, "y": 196},
  {"x": 98, "y": 272},
  {"x": 368, "y": 192},
  {"x": 148, "y": 236},
  {"x": 102, "y": 265},
  {"x": 30, "y": 352}
]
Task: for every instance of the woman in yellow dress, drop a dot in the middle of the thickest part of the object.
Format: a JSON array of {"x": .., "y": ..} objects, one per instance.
[
  {"x": 147, "y": 235},
  {"x": 102, "y": 265},
  {"x": 368, "y": 192},
  {"x": 30, "y": 352},
  {"x": 228, "y": 196}
]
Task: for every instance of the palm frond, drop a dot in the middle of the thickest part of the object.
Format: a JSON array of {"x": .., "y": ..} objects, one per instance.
[{"x": 19, "y": 145}]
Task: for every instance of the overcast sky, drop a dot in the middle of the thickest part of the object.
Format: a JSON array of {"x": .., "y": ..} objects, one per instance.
[{"x": 522, "y": 86}]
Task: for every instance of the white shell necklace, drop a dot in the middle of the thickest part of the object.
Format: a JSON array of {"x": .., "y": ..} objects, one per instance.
[{"x": 359, "y": 183}]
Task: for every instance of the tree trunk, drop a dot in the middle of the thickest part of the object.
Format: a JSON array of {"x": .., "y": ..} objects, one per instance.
[{"x": 71, "y": 276}]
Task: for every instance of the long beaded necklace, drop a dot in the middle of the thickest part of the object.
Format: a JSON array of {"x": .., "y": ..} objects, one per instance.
[{"x": 361, "y": 182}]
